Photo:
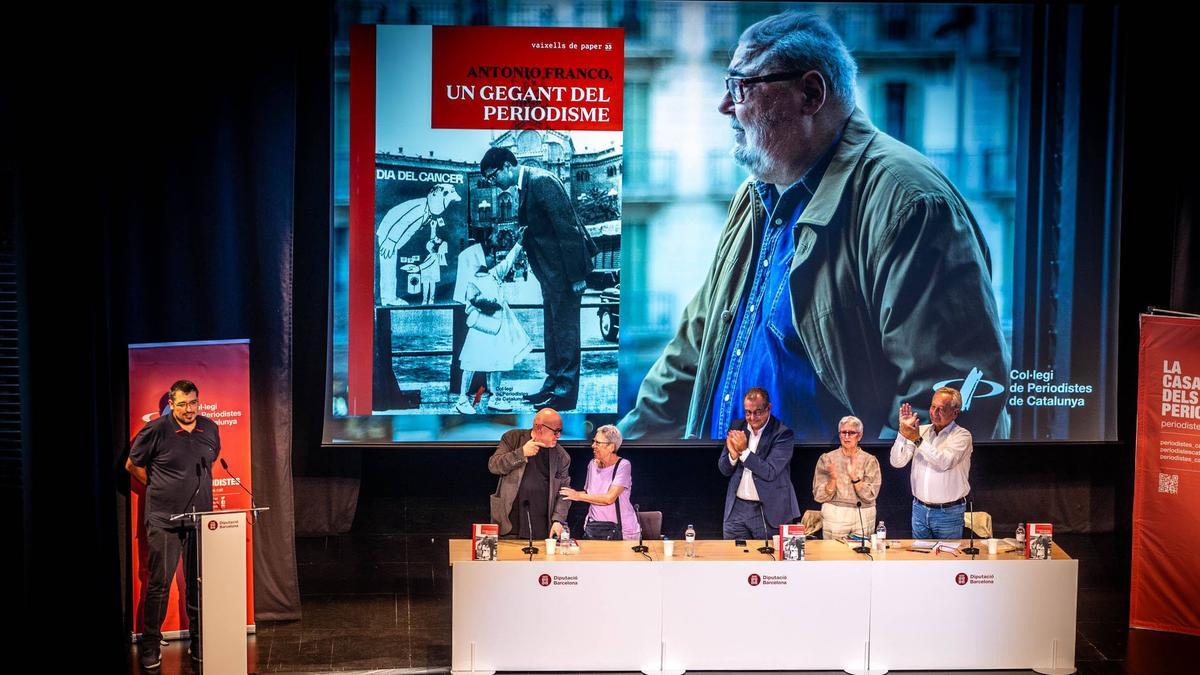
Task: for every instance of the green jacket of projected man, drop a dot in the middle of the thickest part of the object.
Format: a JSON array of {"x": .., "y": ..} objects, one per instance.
[{"x": 890, "y": 293}]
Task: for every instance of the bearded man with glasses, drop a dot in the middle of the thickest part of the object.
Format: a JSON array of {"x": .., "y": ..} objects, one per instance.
[
  {"x": 533, "y": 468},
  {"x": 173, "y": 456},
  {"x": 850, "y": 276}
]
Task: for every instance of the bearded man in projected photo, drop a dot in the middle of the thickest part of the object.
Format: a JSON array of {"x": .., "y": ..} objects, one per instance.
[{"x": 850, "y": 276}]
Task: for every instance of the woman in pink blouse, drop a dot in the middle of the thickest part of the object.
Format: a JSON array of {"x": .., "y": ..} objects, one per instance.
[{"x": 609, "y": 485}]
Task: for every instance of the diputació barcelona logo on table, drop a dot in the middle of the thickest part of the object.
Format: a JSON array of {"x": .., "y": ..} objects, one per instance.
[{"x": 963, "y": 579}]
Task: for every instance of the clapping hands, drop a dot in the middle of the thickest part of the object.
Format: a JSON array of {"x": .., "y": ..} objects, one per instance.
[{"x": 736, "y": 443}]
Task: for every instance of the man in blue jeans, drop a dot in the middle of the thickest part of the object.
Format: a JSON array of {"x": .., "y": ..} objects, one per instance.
[{"x": 941, "y": 460}]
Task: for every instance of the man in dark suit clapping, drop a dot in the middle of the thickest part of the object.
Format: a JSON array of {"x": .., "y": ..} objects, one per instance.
[
  {"x": 560, "y": 254},
  {"x": 757, "y": 457}
]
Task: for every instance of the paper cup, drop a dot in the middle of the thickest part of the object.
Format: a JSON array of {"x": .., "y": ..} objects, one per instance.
[
  {"x": 668, "y": 548},
  {"x": 550, "y": 545},
  {"x": 992, "y": 544},
  {"x": 775, "y": 542}
]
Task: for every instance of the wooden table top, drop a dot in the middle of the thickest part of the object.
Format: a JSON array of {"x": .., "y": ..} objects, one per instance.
[{"x": 724, "y": 550}]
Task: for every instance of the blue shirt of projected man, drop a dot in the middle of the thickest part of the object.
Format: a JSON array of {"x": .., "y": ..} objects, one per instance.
[{"x": 764, "y": 349}]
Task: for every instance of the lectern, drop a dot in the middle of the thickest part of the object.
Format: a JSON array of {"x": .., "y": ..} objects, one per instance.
[{"x": 222, "y": 561}]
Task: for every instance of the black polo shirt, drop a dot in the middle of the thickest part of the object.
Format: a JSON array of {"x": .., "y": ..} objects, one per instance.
[{"x": 172, "y": 457}]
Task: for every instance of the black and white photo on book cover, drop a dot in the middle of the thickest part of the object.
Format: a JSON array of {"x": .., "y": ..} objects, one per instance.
[{"x": 497, "y": 250}]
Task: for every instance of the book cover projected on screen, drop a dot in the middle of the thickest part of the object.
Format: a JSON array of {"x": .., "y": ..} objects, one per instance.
[{"x": 607, "y": 209}]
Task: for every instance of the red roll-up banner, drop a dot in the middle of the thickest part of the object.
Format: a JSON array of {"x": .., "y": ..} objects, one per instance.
[
  {"x": 221, "y": 372},
  {"x": 1166, "y": 494}
]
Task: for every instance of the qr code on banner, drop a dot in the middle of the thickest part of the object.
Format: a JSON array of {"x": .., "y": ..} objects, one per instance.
[{"x": 1168, "y": 483}]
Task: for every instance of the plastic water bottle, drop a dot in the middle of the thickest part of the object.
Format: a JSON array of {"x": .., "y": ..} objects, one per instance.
[
  {"x": 689, "y": 541},
  {"x": 564, "y": 539},
  {"x": 1020, "y": 533},
  {"x": 881, "y": 530}
]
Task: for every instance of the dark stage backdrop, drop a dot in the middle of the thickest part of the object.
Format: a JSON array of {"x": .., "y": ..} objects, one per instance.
[
  {"x": 209, "y": 209},
  {"x": 208, "y": 233},
  {"x": 1075, "y": 487},
  {"x": 155, "y": 165}
]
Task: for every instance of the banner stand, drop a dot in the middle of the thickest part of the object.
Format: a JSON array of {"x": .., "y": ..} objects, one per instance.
[
  {"x": 220, "y": 370},
  {"x": 1166, "y": 492}
]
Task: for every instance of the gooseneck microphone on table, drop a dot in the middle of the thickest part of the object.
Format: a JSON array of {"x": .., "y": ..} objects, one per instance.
[
  {"x": 972, "y": 549},
  {"x": 862, "y": 546},
  {"x": 766, "y": 548},
  {"x": 641, "y": 547},
  {"x": 530, "y": 549}
]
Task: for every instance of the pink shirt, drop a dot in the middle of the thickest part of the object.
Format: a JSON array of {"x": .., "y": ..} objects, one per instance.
[{"x": 598, "y": 482}]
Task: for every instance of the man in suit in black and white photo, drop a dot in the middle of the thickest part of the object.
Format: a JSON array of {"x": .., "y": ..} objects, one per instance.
[{"x": 560, "y": 254}]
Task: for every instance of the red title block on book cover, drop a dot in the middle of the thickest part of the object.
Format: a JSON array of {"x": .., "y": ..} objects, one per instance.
[{"x": 491, "y": 77}]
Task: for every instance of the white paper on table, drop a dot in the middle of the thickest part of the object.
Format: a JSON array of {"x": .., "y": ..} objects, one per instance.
[{"x": 926, "y": 545}]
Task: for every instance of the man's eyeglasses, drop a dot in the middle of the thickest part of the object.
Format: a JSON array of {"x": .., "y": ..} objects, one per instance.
[
  {"x": 849, "y": 432},
  {"x": 556, "y": 432},
  {"x": 187, "y": 405},
  {"x": 757, "y": 411},
  {"x": 736, "y": 86},
  {"x": 490, "y": 176}
]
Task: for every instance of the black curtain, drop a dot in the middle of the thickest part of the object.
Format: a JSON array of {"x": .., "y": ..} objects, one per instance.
[
  {"x": 158, "y": 168},
  {"x": 207, "y": 208}
]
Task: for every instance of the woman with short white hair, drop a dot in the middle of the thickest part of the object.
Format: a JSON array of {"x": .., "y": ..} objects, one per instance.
[
  {"x": 845, "y": 477},
  {"x": 608, "y": 489}
]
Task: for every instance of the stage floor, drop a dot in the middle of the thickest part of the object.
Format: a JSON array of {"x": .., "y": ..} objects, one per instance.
[{"x": 381, "y": 603}]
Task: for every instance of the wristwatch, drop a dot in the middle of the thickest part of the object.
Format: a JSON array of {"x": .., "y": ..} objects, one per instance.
[{"x": 917, "y": 443}]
